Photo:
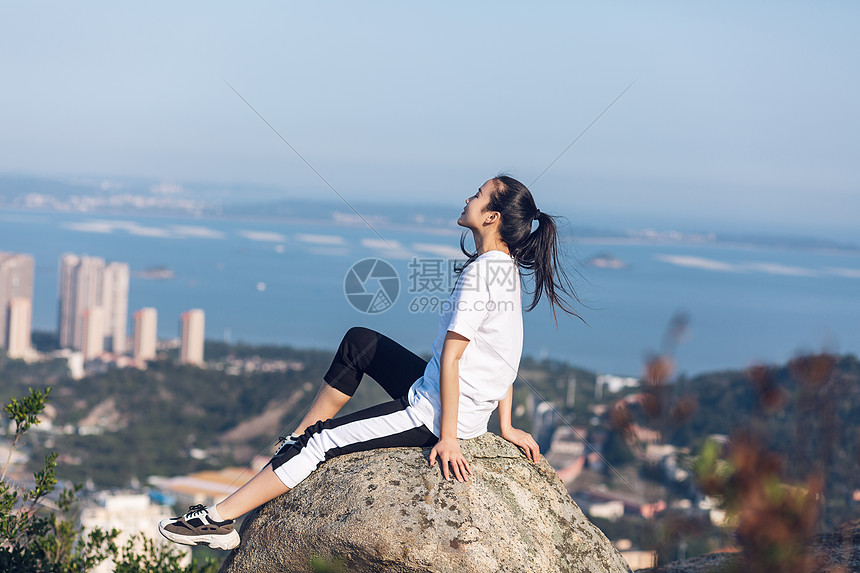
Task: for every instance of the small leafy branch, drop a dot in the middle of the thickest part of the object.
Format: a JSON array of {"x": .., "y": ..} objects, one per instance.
[
  {"x": 775, "y": 515},
  {"x": 655, "y": 404},
  {"x": 774, "y": 522},
  {"x": 29, "y": 539},
  {"x": 142, "y": 555},
  {"x": 24, "y": 413},
  {"x": 34, "y": 541}
]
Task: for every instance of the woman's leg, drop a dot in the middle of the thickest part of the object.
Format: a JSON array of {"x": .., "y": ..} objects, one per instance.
[
  {"x": 388, "y": 425},
  {"x": 265, "y": 486},
  {"x": 328, "y": 402},
  {"x": 363, "y": 351}
]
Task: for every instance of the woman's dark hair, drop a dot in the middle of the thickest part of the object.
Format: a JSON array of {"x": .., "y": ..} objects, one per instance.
[{"x": 536, "y": 251}]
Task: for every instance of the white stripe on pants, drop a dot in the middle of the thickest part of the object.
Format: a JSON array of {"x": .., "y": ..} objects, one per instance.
[{"x": 393, "y": 424}]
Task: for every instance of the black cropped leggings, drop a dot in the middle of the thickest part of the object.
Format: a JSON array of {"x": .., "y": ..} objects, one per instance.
[
  {"x": 364, "y": 351},
  {"x": 389, "y": 425}
]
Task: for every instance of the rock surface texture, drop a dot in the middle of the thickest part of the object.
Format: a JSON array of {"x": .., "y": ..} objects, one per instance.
[{"x": 387, "y": 510}]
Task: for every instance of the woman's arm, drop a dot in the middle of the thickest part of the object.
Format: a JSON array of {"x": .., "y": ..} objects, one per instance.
[
  {"x": 511, "y": 434},
  {"x": 505, "y": 410},
  {"x": 448, "y": 448}
]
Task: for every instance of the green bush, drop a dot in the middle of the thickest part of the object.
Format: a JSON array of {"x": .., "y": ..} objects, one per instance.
[{"x": 36, "y": 539}]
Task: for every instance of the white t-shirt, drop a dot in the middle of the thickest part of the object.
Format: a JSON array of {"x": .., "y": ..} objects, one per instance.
[{"x": 486, "y": 308}]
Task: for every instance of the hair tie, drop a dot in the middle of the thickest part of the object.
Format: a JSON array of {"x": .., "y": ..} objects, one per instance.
[{"x": 537, "y": 214}]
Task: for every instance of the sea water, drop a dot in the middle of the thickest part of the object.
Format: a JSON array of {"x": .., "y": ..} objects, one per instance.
[{"x": 283, "y": 283}]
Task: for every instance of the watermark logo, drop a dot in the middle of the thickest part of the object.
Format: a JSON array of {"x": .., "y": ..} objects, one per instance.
[{"x": 371, "y": 285}]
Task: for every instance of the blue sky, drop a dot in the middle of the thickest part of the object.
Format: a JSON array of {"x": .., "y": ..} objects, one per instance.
[{"x": 742, "y": 115}]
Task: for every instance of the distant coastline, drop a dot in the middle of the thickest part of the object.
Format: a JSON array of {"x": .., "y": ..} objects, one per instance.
[{"x": 121, "y": 198}]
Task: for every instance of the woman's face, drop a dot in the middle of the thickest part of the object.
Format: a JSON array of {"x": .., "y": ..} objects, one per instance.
[{"x": 474, "y": 213}]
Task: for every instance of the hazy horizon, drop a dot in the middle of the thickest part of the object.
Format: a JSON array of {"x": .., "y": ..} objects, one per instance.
[
  {"x": 593, "y": 217},
  {"x": 739, "y": 115}
]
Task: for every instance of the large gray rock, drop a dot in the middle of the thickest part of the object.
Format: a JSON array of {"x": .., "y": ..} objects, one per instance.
[{"x": 387, "y": 510}]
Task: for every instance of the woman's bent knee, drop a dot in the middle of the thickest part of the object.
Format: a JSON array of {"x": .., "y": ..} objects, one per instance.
[{"x": 359, "y": 335}]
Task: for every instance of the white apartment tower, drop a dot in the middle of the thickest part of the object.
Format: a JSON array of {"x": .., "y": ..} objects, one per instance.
[
  {"x": 93, "y": 339},
  {"x": 81, "y": 282},
  {"x": 16, "y": 303},
  {"x": 192, "y": 326},
  {"x": 87, "y": 284},
  {"x": 20, "y": 322},
  {"x": 145, "y": 334},
  {"x": 115, "y": 306}
]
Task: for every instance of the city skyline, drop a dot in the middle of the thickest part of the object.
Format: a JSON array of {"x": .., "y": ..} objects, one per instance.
[{"x": 92, "y": 319}]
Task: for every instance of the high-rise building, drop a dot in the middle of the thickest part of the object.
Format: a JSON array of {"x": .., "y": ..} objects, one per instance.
[
  {"x": 115, "y": 306},
  {"x": 86, "y": 283},
  {"x": 145, "y": 334},
  {"x": 67, "y": 278},
  {"x": 193, "y": 326},
  {"x": 16, "y": 302},
  {"x": 81, "y": 284},
  {"x": 20, "y": 321},
  {"x": 93, "y": 345}
]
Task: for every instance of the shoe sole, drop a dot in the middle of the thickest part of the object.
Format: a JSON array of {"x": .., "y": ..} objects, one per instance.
[{"x": 224, "y": 542}]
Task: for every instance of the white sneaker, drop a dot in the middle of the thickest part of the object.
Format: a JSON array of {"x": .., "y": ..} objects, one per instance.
[{"x": 197, "y": 528}]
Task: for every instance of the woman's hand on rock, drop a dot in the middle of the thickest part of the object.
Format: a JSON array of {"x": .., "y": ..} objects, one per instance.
[
  {"x": 523, "y": 440},
  {"x": 448, "y": 451}
]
